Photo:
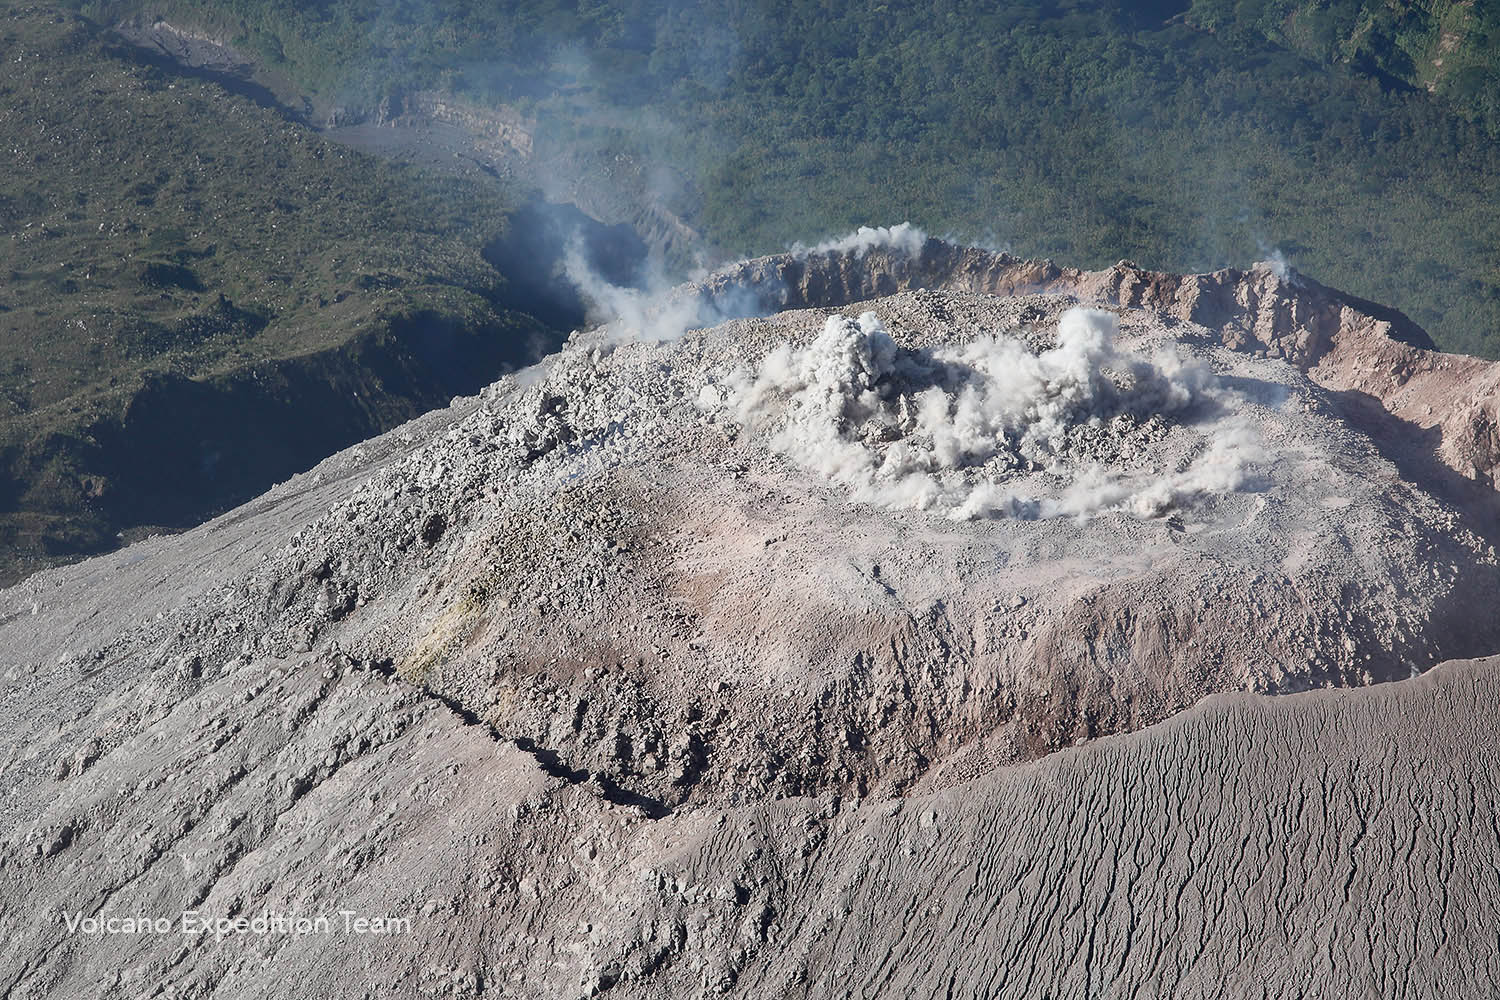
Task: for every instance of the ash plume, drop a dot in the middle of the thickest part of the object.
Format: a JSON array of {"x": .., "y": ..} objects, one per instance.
[
  {"x": 655, "y": 309},
  {"x": 992, "y": 428},
  {"x": 902, "y": 236}
]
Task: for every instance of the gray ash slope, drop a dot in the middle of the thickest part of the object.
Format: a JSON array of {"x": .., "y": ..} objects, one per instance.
[{"x": 753, "y": 662}]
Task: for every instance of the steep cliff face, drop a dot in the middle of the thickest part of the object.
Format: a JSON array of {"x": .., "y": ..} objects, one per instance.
[{"x": 957, "y": 647}]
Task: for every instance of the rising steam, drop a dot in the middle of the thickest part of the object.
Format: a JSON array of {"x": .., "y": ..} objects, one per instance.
[
  {"x": 655, "y": 309},
  {"x": 903, "y": 237},
  {"x": 958, "y": 429}
]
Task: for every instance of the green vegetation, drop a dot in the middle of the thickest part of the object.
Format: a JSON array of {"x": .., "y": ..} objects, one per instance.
[
  {"x": 1182, "y": 135},
  {"x": 198, "y": 297},
  {"x": 1450, "y": 48}
]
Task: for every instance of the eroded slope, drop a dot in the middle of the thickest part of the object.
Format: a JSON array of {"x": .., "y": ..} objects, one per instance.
[{"x": 611, "y": 681}]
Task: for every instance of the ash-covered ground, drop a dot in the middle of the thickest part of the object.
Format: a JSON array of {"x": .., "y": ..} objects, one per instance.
[
  {"x": 955, "y": 526},
  {"x": 620, "y": 675}
]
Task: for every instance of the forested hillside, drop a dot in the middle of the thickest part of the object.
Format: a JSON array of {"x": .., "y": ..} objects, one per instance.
[
  {"x": 1450, "y": 48},
  {"x": 1182, "y": 136},
  {"x": 199, "y": 298}
]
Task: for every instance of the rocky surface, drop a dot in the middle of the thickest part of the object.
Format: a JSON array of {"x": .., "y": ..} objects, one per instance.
[
  {"x": 639, "y": 672},
  {"x": 1448, "y": 404}
]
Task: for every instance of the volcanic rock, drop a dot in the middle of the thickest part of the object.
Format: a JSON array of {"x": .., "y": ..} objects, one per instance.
[{"x": 968, "y": 624}]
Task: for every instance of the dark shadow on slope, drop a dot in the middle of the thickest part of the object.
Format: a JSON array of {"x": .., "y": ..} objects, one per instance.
[
  {"x": 553, "y": 764},
  {"x": 186, "y": 449},
  {"x": 1403, "y": 327},
  {"x": 548, "y": 760},
  {"x": 235, "y": 80},
  {"x": 1414, "y": 451},
  {"x": 533, "y": 251}
]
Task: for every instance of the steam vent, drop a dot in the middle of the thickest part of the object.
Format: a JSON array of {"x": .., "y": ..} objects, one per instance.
[{"x": 888, "y": 619}]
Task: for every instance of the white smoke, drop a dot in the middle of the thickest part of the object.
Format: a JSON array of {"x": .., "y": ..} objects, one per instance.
[
  {"x": 1273, "y": 260},
  {"x": 903, "y": 237},
  {"x": 657, "y": 311},
  {"x": 944, "y": 429},
  {"x": 1221, "y": 468}
]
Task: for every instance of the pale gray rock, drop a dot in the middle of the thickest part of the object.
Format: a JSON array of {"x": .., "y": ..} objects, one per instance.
[{"x": 592, "y": 683}]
